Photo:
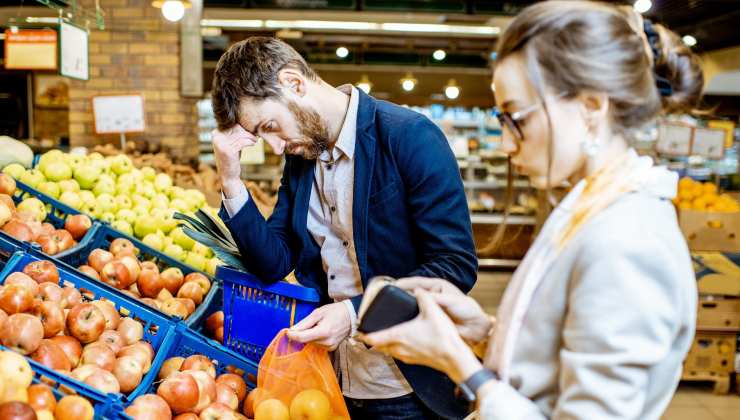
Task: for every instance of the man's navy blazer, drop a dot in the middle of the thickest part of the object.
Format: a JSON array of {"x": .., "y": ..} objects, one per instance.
[{"x": 410, "y": 218}]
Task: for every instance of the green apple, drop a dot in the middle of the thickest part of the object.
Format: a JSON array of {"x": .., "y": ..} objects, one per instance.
[
  {"x": 201, "y": 249},
  {"x": 33, "y": 206},
  {"x": 50, "y": 157},
  {"x": 16, "y": 170},
  {"x": 71, "y": 199},
  {"x": 86, "y": 175},
  {"x": 74, "y": 160},
  {"x": 180, "y": 205},
  {"x": 140, "y": 201},
  {"x": 137, "y": 176},
  {"x": 149, "y": 173},
  {"x": 168, "y": 221},
  {"x": 160, "y": 201},
  {"x": 69, "y": 185},
  {"x": 176, "y": 192},
  {"x": 125, "y": 188},
  {"x": 87, "y": 196},
  {"x": 196, "y": 261},
  {"x": 106, "y": 203},
  {"x": 211, "y": 266},
  {"x": 194, "y": 199},
  {"x": 107, "y": 217},
  {"x": 95, "y": 156},
  {"x": 127, "y": 215},
  {"x": 146, "y": 189},
  {"x": 167, "y": 241},
  {"x": 105, "y": 185},
  {"x": 124, "y": 202},
  {"x": 145, "y": 224},
  {"x": 50, "y": 188},
  {"x": 121, "y": 164},
  {"x": 123, "y": 226},
  {"x": 58, "y": 171},
  {"x": 162, "y": 182},
  {"x": 175, "y": 251},
  {"x": 155, "y": 241},
  {"x": 88, "y": 207},
  {"x": 180, "y": 238},
  {"x": 32, "y": 178}
]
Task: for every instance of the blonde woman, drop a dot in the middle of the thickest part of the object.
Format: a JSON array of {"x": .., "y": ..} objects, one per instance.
[{"x": 599, "y": 316}]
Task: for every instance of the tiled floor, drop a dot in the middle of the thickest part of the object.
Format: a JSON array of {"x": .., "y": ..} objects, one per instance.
[{"x": 693, "y": 401}]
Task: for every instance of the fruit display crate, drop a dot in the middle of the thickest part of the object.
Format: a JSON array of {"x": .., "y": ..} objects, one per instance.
[
  {"x": 105, "y": 234},
  {"x": 156, "y": 326},
  {"x": 184, "y": 342},
  {"x": 57, "y": 213},
  {"x": 255, "y": 312},
  {"x": 106, "y": 408}
]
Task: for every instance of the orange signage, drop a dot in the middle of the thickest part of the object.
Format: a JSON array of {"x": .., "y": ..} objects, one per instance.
[{"x": 31, "y": 49}]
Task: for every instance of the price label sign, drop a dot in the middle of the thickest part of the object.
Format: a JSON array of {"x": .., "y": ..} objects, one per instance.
[
  {"x": 709, "y": 142},
  {"x": 674, "y": 139}
]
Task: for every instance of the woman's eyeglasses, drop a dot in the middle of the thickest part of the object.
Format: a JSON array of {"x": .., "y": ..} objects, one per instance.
[{"x": 512, "y": 120}]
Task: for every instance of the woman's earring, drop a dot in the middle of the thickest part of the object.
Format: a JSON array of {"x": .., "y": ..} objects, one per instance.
[{"x": 591, "y": 147}]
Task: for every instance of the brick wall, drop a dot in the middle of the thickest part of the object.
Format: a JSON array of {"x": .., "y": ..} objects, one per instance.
[{"x": 138, "y": 52}]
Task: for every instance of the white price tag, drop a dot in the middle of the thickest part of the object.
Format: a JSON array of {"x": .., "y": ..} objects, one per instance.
[
  {"x": 709, "y": 142},
  {"x": 674, "y": 139}
]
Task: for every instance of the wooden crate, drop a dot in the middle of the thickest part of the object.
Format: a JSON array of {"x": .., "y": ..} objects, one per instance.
[
  {"x": 712, "y": 352},
  {"x": 711, "y": 231},
  {"x": 721, "y": 380},
  {"x": 718, "y": 314}
]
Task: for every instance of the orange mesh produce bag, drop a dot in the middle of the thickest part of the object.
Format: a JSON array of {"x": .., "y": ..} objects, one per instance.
[{"x": 289, "y": 369}]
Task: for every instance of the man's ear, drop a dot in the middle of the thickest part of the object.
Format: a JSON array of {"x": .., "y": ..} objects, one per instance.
[{"x": 292, "y": 82}]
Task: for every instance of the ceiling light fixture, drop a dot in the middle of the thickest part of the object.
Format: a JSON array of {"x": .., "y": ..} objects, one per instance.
[
  {"x": 642, "y": 6},
  {"x": 689, "y": 40},
  {"x": 172, "y": 10},
  {"x": 408, "y": 83},
  {"x": 452, "y": 91},
  {"x": 342, "y": 52},
  {"x": 364, "y": 84},
  {"x": 439, "y": 55}
]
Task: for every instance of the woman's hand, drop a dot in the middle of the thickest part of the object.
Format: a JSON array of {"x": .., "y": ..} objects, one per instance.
[
  {"x": 431, "y": 339},
  {"x": 472, "y": 323}
]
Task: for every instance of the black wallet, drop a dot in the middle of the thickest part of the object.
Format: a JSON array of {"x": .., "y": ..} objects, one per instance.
[{"x": 390, "y": 306}]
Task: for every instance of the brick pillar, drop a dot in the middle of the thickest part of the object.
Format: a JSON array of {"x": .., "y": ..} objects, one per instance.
[{"x": 138, "y": 52}]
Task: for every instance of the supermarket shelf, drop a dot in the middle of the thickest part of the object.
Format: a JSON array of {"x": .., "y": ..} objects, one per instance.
[
  {"x": 498, "y": 263},
  {"x": 497, "y": 219}
]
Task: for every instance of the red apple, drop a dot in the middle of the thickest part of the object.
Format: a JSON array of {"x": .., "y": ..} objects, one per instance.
[
  {"x": 7, "y": 184},
  {"x": 51, "y": 292},
  {"x": 151, "y": 302},
  {"x": 133, "y": 265},
  {"x": 15, "y": 299},
  {"x": 218, "y": 335},
  {"x": 173, "y": 307},
  {"x": 78, "y": 225},
  {"x": 150, "y": 265},
  {"x": 122, "y": 246},
  {"x": 8, "y": 201},
  {"x": 104, "y": 381},
  {"x": 140, "y": 354},
  {"x": 65, "y": 239},
  {"x": 132, "y": 331},
  {"x": 206, "y": 389},
  {"x": 215, "y": 321},
  {"x": 199, "y": 362},
  {"x": 235, "y": 382},
  {"x": 18, "y": 230},
  {"x": 42, "y": 271},
  {"x": 85, "y": 322},
  {"x": 129, "y": 371},
  {"x": 16, "y": 410},
  {"x": 100, "y": 355},
  {"x": 218, "y": 411},
  {"x": 111, "y": 315},
  {"x": 227, "y": 396},
  {"x": 24, "y": 280},
  {"x": 70, "y": 297},
  {"x": 3, "y": 319},
  {"x": 112, "y": 339},
  {"x": 150, "y": 283},
  {"x": 41, "y": 397},
  {"x": 70, "y": 346},
  {"x": 189, "y": 305},
  {"x": 149, "y": 407},
  {"x": 49, "y": 245},
  {"x": 51, "y": 316},
  {"x": 73, "y": 407},
  {"x": 200, "y": 279},
  {"x": 173, "y": 279},
  {"x": 191, "y": 290},
  {"x": 51, "y": 355},
  {"x": 180, "y": 391},
  {"x": 47, "y": 228},
  {"x": 170, "y": 366},
  {"x": 188, "y": 416},
  {"x": 116, "y": 274},
  {"x": 84, "y": 371},
  {"x": 86, "y": 269},
  {"x": 22, "y": 333},
  {"x": 98, "y": 258}
]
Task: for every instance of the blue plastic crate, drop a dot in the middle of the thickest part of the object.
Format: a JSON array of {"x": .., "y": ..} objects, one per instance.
[
  {"x": 255, "y": 312},
  {"x": 105, "y": 234},
  {"x": 184, "y": 342},
  {"x": 105, "y": 407},
  {"x": 57, "y": 215},
  {"x": 156, "y": 325}
]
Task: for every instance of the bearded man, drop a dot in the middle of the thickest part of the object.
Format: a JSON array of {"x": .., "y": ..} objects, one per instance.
[{"x": 369, "y": 188}]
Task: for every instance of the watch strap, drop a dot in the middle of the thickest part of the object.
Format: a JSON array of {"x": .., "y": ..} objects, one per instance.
[{"x": 470, "y": 386}]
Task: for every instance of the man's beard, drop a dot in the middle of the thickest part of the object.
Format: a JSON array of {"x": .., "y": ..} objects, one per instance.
[{"x": 313, "y": 130}]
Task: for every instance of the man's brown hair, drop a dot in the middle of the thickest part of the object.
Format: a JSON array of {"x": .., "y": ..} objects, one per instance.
[{"x": 249, "y": 69}]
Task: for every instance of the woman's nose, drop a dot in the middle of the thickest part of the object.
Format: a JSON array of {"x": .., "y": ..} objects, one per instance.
[{"x": 508, "y": 144}]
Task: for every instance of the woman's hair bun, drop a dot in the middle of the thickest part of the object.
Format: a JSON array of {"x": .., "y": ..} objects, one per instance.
[{"x": 682, "y": 69}]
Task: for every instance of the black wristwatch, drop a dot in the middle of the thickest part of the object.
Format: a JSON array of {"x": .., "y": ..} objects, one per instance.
[{"x": 470, "y": 386}]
